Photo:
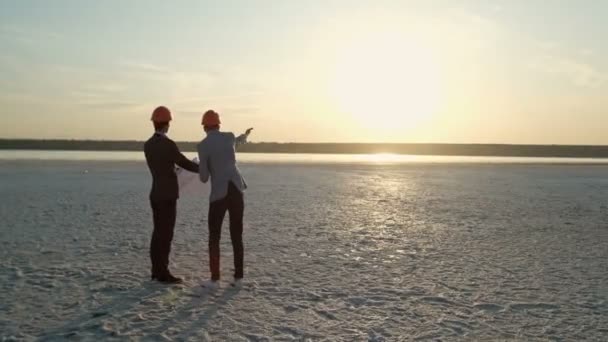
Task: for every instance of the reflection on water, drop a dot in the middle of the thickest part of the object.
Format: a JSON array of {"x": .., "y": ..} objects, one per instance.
[{"x": 295, "y": 158}]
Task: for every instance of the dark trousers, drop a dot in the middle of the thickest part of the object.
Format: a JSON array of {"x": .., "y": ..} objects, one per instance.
[
  {"x": 235, "y": 205},
  {"x": 163, "y": 213}
]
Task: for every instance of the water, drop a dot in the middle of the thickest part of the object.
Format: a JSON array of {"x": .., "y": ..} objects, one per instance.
[
  {"x": 355, "y": 250},
  {"x": 298, "y": 158}
]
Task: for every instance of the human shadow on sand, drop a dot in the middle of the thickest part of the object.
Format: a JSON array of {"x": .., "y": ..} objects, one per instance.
[
  {"x": 92, "y": 319},
  {"x": 198, "y": 325}
]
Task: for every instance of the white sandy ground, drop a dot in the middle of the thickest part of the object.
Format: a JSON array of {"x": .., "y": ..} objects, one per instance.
[{"x": 333, "y": 252}]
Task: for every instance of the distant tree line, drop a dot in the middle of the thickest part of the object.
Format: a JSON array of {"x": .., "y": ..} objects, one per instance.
[{"x": 572, "y": 151}]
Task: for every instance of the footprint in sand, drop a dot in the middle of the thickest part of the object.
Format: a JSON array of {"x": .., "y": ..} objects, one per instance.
[{"x": 488, "y": 307}]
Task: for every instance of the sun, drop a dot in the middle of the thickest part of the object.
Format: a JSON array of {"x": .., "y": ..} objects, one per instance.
[{"x": 388, "y": 79}]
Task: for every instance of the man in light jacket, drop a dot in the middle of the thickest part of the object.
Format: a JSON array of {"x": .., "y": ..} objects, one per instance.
[{"x": 216, "y": 153}]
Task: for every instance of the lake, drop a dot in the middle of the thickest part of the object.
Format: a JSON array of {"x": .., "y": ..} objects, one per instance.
[{"x": 348, "y": 247}]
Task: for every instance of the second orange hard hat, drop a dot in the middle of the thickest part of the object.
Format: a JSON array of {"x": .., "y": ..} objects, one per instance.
[{"x": 211, "y": 118}]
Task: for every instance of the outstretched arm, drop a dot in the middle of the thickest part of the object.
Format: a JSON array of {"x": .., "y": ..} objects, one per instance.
[{"x": 242, "y": 139}]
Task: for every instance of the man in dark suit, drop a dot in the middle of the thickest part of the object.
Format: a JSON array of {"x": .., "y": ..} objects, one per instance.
[{"x": 162, "y": 154}]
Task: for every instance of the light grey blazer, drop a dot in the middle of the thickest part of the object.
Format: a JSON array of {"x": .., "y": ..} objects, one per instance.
[{"x": 216, "y": 154}]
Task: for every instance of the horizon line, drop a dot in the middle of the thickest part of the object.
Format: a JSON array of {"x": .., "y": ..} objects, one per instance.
[{"x": 74, "y": 140}]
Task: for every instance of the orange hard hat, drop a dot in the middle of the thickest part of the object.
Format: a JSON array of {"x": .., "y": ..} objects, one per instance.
[
  {"x": 161, "y": 114},
  {"x": 211, "y": 118}
]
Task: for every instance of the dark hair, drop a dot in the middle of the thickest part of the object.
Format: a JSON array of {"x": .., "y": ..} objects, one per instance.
[
  {"x": 160, "y": 125},
  {"x": 211, "y": 128}
]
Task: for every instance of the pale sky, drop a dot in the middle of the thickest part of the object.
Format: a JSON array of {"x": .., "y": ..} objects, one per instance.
[{"x": 453, "y": 71}]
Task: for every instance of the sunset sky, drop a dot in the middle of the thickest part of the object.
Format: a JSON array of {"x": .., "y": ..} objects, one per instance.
[{"x": 451, "y": 71}]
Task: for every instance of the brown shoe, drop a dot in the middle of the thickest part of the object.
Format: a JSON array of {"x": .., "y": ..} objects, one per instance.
[{"x": 168, "y": 279}]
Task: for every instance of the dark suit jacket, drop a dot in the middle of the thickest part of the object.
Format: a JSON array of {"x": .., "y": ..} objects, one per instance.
[{"x": 161, "y": 155}]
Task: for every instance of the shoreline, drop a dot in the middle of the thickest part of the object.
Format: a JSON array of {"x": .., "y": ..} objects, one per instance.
[
  {"x": 412, "y": 149},
  {"x": 24, "y": 157}
]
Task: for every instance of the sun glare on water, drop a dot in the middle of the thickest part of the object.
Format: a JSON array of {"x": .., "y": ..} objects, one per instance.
[
  {"x": 387, "y": 81},
  {"x": 383, "y": 157}
]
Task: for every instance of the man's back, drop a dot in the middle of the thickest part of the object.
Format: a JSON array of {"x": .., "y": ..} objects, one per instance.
[
  {"x": 161, "y": 155},
  {"x": 217, "y": 159}
]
